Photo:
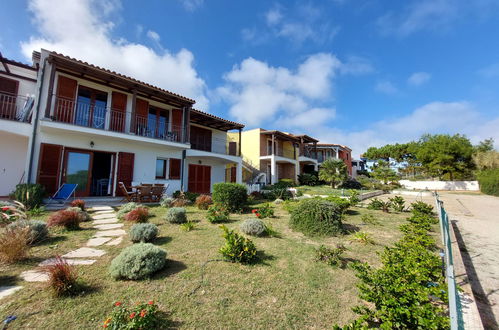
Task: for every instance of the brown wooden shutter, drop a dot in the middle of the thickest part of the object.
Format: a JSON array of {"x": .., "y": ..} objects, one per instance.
[
  {"x": 141, "y": 111},
  {"x": 175, "y": 165},
  {"x": 233, "y": 172},
  {"x": 233, "y": 148},
  {"x": 125, "y": 170},
  {"x": 118, "y": 112},
  {"x": 49, "y": 167},
  {"x": 177, "y": 125},
  {"x": 66, "y": 95},
  {"x": 8, "y": 86},
  {"x": 8, "y": 98},
  {"x": 206, "y": 183}
]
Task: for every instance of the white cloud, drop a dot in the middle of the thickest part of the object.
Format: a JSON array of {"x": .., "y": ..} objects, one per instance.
[
  {"x": 191, "y": 5},
  {"x": 357, "y": 65},
  {"x": 153, "y": 35},
  {"x": 258, "y": 93},
  {"x": 385, "y": 86},
  {"x": 418, "y": 78},
  {"x": 81, "y": 29},
  {"x": 307, "y": 119},
  {"x": 273, "y": 16},
  {"x": 435, "y": 118}
]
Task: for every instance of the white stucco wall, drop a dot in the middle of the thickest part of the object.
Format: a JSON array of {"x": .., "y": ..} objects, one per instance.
[
  {"x": 441, "y": 185},
  {"x": 13, "y": 150}
]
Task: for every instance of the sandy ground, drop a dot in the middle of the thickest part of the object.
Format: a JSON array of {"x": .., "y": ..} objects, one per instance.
[{"x": 476, "y": 224}]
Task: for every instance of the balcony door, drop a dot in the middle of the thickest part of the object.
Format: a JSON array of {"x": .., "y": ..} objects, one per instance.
[
  {"x": 78, "y": 169},
  {"x": 91, "y": 108},
  {"x": 200, "y": 138}
]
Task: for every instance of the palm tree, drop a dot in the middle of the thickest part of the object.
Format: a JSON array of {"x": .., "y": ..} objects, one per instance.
[{"x": 333, "y": 171}]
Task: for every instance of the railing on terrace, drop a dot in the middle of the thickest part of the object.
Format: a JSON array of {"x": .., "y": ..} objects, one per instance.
[
  {"x": 16, "y": 107},
  {"x": 308, "y": 153},
  {"x": 455, "y": 310},
  {"x": 216, "y": 145},
  {"x": 99, "y": 117},
  {"x": 281, "y": 152}
]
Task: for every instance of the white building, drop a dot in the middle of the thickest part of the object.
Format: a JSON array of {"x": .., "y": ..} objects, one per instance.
[{"x": 64, "y": 120}]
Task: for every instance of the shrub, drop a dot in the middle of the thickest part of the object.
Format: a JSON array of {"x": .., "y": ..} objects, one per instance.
[
  {"x": 143, "y": 232},
  {"x": 397, "y": 203},
  {"x": 330, "y": 256},
  {"x": 362, "y": 237},
  {"x": 78, "y": 203},
  {"x": 140, "y": 214},
  {"x": 256, "y": 195},
  {"x": 203, "y": 202},
  {"x": 187, "y": 226},
  {"x": 69, "y": 219},
  {"x": 278, "y": 191},
  {"x": 166, "y": 201},
  {"x": 217, "y": 213},
  {"x": 36, "y": 211},
  {"x": 125, "y": 208},
  {"x": 180, "y": 202},
  {"x": 84, "y": 216},
  {"x": 369, "y": 219},
  {"x": 38, "y": 229},
  {"x": 375, "y": 204},
  {"x": 63, "y": 279},
  {"x": 271, "y": 232},
  {"x": 265, "y": 211},
  {"x": 232, "y": 196},
  {"x": 176, "y": 215},
  {"x": 489, "y": 181},
  {"x": 237, "y": 248},
  {"x": 190, "y": 196},
  {"x": 351, "y": 184},
  {"x": 140, "y": 316},
  {"x": 138, "y": 261},
  {"x": 342, "y": 203},
  {"x": 285, "y": 183},
  {"x": 315, "y": 217},
  {"x": 253, "y": 227},
  {"x": 14, "y": 244},
  {"x": 353, "y": 197},
  {"x": 278, "y": 201},
  {"x": 422, "y": 207},
  {"x": 308, "y": 179},
  {"x": 30, "y": 194}
]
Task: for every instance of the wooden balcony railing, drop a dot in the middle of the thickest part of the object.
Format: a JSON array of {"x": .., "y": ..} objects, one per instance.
[
  {"x": 16, "y": 107},
  {"x": 216, "y": 145}
]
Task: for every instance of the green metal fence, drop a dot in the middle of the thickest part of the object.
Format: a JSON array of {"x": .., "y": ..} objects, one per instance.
[{"x": 455, "y": 310}]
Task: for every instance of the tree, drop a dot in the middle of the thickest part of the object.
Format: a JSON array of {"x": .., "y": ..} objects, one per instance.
[
  {"x": 485, "y": 145},
  {"x": 486, "y": 160},
  {"x": 383, "y": 172},
  {"x": 333, "y": 171}
]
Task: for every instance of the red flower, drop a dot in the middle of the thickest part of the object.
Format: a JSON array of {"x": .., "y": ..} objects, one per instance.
[
  {"x": 104, "y": 326},
  {"x": 257, "y": 215},
  {"x": 5, "y": 208},
  {"x": 132, "y": 315},
  {"x": 254, "y": 210},
  {"x": 143, "y": 313},
  {"x": 150, "y": 302},
  {"x": 117, "y": 303}
]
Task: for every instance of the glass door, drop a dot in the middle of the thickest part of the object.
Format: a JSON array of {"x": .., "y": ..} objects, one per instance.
[{"x": 78, "y": 169}]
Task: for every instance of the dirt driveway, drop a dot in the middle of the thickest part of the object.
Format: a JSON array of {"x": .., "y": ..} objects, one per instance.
[{"x": 476, "y": 222}]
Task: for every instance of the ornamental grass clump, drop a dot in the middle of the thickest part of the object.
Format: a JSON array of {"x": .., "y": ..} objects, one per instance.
[
  {"x": 237, "y": 248},
  {"x": 125, "y": 208},
  {"x": 138, "y": 261},
  {"x": 14, "y": 244},
  {"x": 139, "y": 316},
  {"x": 253, "y": 227},
  {"x": 78, "y": 203},
  {"x": 84, "y": 216},
  {"x": 176, "y": 215},
  {"x": 317, "y": 217},
  {"x": 63, "y": 278},
  {"x": 70, "y": 219},
  {"x": 203, "y": 202},
  {"x": 140, "y": 214},
  {"x": 38, "y": 229},
  {"x": 143, "y": 232}
]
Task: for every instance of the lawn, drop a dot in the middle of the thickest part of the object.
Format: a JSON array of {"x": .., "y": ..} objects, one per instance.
[
  {"x": 326, "y": 190},
  {"x": 286, "y": 289}
]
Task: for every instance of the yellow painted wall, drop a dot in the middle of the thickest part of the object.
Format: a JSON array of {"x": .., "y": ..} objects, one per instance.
[
  {"x": 288, "y": 149},
  {"x": 250, "y": 146}
]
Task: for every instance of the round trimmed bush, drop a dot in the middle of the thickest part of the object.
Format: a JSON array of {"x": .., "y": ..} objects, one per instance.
[
  {"x": 253, "y": 227},
  {"x": 138, "y": 261},
  {"x": 38, "y": 229},
  {"x": 317, "y": 217},
  {"x": 166, "y": 202},
  {"x": 232, "y": 196},
  {"x": 176, "y": 215},
  {"x": 143, "y": 232}
]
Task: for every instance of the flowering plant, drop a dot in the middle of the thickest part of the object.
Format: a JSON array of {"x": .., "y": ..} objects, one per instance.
[
  {"x": 10, "y": 212},
  {"x": 140, "y": 316},
  {"x": 217, "y": 213},
  {"x": 266, "y": 211}
]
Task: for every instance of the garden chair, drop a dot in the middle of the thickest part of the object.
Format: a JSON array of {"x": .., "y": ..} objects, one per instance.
[
  {"x": 129, "y": 196},
  {"x": 63, "y": 193},
  {"x": 144, "y": 193},
  {"x": 158, "y": 191}
]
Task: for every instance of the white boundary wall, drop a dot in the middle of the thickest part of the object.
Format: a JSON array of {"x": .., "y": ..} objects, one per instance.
[{"x": 441, "y": 185}]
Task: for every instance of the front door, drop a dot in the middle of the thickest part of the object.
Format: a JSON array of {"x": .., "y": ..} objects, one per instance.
[
  {"x": 78, "y": 169},
  {"x": 199, "y": 179}
]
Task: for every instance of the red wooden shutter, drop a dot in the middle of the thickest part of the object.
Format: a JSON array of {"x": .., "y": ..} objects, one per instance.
[
  {"x": 8, "y": 97},
  {"x": 118, "y": 111},
  {"x": 175, "y": 165},
  {"x": 49, "y": 166},
  {"x": 66, "y": 95},
  {"x": 233, "y": 173},
  {"x": 141, "y": 111},
  {"x": 177, "y": 124},
  {"x": 233, "y": 148},
  {"x": 125, "y": 170},
  {"x": 206, "y": 183},
  {"x": 8, "y": 86}
]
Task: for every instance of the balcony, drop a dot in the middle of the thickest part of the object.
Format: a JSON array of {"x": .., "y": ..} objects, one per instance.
[
  {"x": 281, "y": 153},
  {"x": 216, "y": 145},
  {"x": 308, "y": 153},
  {"x": 89, "y": 115},
  {"x": 16, "y": 107}
]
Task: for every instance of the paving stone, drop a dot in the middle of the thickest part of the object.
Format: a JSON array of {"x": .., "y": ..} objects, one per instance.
[
  {"x": 104, "y": 221},
  {"x": 104, "y": 216},
  {"x": 107, "y": 233},
  {"x": 34, "y": 276},
  {"x": 102, "y": 208},
  {"x": 69, "y": 261},
  {"x": 8, "y": 290},
  {"x": 109, "y": 226},
  {"x": 115, "y": 241},
  {"x": 97, "y": 241},
  {"x": 84, "y": 252}
]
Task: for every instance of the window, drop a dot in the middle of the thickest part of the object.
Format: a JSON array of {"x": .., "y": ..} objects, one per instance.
[
  {"x": 157, "y": 123},
  {"x": 175, "y": 168},
  {"x": 161, "y": 168},
  {"x": 91, "y": 107}
]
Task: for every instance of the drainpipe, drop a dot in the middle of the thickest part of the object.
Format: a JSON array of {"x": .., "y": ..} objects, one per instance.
[
  {"x": 182, "y": 170},
  {"x": 35, "y": 123}
]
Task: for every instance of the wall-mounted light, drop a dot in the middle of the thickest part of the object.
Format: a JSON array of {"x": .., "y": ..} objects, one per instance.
[
  {"x": 92, "y": 144},
  {"x": 200, "y": 162}
]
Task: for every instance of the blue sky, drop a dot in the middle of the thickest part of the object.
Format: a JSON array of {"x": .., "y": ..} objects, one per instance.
[{"x": 360, "y": 73}]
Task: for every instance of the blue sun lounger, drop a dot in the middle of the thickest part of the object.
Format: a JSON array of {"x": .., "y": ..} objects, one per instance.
[{"x": 65, "y": 191}]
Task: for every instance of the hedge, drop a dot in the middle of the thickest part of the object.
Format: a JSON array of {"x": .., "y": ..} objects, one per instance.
[{"x": 489, "y": 181}]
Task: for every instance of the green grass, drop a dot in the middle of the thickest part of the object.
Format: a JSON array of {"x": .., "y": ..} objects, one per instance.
[
  {"x": 287, "y": 289},
  {"x": 326, "y": 190}
]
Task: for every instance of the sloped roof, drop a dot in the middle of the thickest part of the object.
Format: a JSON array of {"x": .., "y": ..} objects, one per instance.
[
  {"x": 207, "y": 119},
  {"x": 325, "y": 145}
]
